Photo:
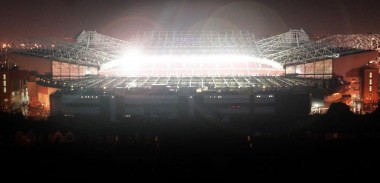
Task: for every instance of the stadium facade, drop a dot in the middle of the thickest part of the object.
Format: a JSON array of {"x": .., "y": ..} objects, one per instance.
[{"x": 188, "y": 74}]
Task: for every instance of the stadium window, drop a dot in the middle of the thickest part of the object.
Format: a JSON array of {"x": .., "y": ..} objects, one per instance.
[
  {"x": 370, "y": 74},
  {"x": 370, "y": 88},
  {"x": 4, "y": 83},
  {"x": 4, "y": 76},
  {"x": 5, "y": 90},
  {"x": 370, "y": 81}
]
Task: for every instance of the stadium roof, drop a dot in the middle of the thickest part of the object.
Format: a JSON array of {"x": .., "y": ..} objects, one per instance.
[{"x": 291, "y": 47}]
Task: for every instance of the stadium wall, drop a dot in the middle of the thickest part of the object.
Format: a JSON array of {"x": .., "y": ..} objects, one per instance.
[
  {"x": 124, "y": 107},
  {"x": 62, "y": 70},
  {"x": 318, "y": 69}
]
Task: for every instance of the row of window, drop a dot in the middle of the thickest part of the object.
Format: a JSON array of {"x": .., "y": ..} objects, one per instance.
[
  {"x": 216, "y": 96},
  {"x": 370, "y": 82},
  {"x": 4, "y": 83},
  {"x": 93, "y": 96},
  {"x": 259, "y": 96},
  {"x": 89, "y": 97}
]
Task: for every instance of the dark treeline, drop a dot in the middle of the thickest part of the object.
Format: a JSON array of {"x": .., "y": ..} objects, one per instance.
[{"x": 335, "y": 146}]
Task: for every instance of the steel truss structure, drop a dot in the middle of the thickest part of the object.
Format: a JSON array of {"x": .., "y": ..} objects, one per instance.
[
  {"x": 58, "y": 50},
  {"x": 330, "y": 47},
  {"x": 281, "y": 42},
  {"x": 102, "y": 43},
  {"x": 196, "y": 43},
  {"x": 94, "y": 49}
]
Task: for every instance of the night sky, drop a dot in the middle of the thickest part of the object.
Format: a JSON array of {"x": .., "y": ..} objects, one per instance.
[{"x": 121, "y": 18}]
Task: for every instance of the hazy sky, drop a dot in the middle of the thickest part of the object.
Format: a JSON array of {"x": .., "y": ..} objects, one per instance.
[{"x": 121, "y": 18}]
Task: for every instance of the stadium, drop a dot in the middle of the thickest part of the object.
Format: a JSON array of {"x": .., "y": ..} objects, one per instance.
[{"x": 211, "y": 74}]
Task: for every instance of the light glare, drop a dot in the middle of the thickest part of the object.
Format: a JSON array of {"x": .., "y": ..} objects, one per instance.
[{"x": 135, "y": 62}]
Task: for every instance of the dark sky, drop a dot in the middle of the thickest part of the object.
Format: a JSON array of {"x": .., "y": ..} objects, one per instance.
[{"x": 121, "y": 18}]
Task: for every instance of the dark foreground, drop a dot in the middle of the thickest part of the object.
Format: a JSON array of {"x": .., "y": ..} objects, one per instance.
[{"x": 260, "y": 149}]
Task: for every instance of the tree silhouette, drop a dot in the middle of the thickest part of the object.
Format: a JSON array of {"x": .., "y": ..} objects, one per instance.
[{"x": 339, "y": 110}]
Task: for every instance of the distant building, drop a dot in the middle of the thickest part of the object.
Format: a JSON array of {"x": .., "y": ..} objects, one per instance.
[
  {"x": 370, "y": 83},
  {"x": 14, "y": 91},
  {"x": 20, "y": 92}
]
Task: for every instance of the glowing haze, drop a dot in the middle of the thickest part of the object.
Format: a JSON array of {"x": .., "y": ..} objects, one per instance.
[{"x": 134, "y": 62}]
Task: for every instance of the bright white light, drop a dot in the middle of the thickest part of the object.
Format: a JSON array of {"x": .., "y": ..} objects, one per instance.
[
  {"x": 135, "y": 62},
  {"x": 130, "y": 60},
  {"x": 317, "y": 104},
  {"x": 134, "y": 53}
]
